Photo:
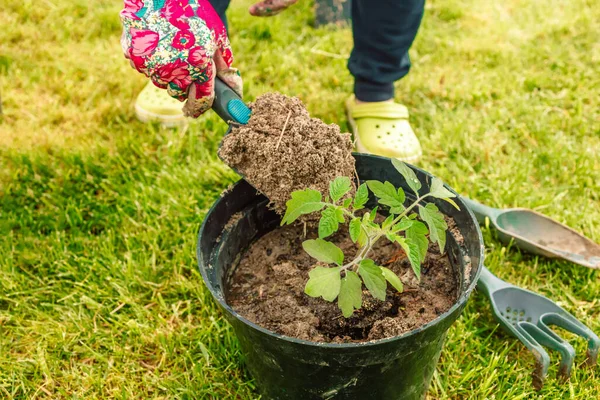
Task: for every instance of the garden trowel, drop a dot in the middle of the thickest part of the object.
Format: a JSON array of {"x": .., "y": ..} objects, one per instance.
[{"x": 535, "y": 233}]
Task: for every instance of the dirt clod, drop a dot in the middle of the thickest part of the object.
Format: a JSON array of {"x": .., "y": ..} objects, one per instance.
[
  {"x": 308, "y": 153},
  {"x": 267, "y": 287}
]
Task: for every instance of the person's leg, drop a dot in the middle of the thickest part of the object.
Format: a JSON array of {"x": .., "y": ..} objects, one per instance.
[{"x": 383, "y": 31}]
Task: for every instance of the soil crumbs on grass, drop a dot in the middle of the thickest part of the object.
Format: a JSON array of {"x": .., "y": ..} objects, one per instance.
[
  {"x": 283, "y": 149},
  {"x": 268, "y": 289}
]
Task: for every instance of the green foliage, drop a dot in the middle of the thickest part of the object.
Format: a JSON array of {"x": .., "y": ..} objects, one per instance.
[
  {"x": 361, "y": 198},
  {"x": 439, "y": 191},
  {"x": 355, "y": 229},
  {"x": 416, "y": 245},
  {"x": 403, "y": 225},
  {"x": 373, "y": 278},
  {"x": 392, "y": 278},
  {"x": 324, "y": 251},
  {"x": 436, "y": 223},
  {"x": 330, "y": 221},
  {"x": 350, "y": 297},
  {"x": 400, "y": 226},
  {"x": 302, "y": 202},
  {"x": 388, "y": 195},
  {"x": 339, "y": 187},
  {"x": 408, "y": 174},
  {"x": 324, "y": 282}
]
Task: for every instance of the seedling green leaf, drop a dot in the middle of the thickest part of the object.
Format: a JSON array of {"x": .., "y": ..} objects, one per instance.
[
  {"x": 361, "y": 198},
  {"x": 373, "y": 278},
  {"x": 366, "y": 217},
  {"x": 362, "y": 237},
  {"x": 330, "y": 220},
  {"x": 323, "y": 282},
  {"x": 339, "y": 187},
  {"x": 324, "y": 251},
  {"x": 409, "y": 175},
  {"x": 403, "y": 225},
  {"x": 392, "y": 278},
  {"x": 392, "y": 237},
  {"x": 388, "y": 222},
  {"x": 373, "y": 214},
  {"x": 399, "y": 209},
  {"x": 347, "y": 202},
  {"x": 339, "y": 214},
  {"x": 302, "y": 202},
  {"x": 439, "y": 191},
  {"x": 350, "y": 297},
  {"x": 417, "y": 244},
  {"x": 436, "y": 223},
  {"x": 355, "y": 229},
  {"x": 388, "y": 195}
]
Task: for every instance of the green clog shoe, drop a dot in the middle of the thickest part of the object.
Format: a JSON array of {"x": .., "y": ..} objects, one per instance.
[
  {"x": 154, "y": 104},
  {"x": 382, "y": 128}
]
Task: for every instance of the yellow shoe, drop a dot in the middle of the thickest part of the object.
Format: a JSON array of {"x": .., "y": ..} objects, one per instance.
[
  {"x": 154, "y": 104},
  {"x": 382, "y": 128}
]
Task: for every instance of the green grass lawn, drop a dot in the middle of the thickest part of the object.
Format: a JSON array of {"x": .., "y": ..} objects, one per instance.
[{"x": 99, "y": 291}]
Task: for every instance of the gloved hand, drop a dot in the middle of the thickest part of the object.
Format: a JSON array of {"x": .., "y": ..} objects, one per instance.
[
  {"x": 180, "y": 47},
  {"x": 268, "y": 8}
]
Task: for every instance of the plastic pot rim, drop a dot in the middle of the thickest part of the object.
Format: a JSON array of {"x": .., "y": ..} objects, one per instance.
[{"x": 463, "y": 297}]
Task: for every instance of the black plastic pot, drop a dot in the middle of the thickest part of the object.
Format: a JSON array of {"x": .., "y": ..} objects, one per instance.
[{"x": 288, "y": 368}]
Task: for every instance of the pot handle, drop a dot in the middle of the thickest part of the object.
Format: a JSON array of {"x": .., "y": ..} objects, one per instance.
[{"x": 229, "y": 105}]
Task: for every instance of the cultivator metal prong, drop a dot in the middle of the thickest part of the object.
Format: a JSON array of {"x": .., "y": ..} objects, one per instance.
[
  {"x": 547, "y": 338},
  {"x": 566, "y": 321},
  {"x": 542, "y": 358}
]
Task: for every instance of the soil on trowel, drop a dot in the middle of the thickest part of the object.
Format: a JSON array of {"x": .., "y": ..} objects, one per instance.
[
  {"x": 267, "y": 288},
  {"x": 283, "y": 149}
]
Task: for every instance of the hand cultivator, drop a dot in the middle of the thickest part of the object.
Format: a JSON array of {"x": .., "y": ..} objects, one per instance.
[{"x": 528, "y": 316}]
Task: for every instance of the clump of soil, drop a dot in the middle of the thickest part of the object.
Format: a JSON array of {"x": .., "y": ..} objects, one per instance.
[
  {"x": 283, "y": 149},
  {"x": 268, "y": 289}
]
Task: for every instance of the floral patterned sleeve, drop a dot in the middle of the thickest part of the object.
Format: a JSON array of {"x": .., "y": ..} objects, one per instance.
[{"x": 180, "y": 45}]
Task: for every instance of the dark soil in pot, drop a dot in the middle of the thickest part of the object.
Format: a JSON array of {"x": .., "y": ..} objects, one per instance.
[{"x": 267, "y": 288}]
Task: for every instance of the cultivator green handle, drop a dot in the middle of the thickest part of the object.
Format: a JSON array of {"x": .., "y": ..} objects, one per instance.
[
  {"x": 527, "y": 316},
  {"x": 489, "y": 283},
  {"x": 229, "y": 105}
]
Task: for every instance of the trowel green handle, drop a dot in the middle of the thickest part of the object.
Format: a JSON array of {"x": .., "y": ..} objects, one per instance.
[
  {"x": 229, "y": 105},
  {"x": 482, "y": 211}
]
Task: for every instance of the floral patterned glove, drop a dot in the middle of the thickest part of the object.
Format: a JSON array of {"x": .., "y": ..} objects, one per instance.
[
  {"x": 268, "y": 8},
  {"x": 180, "y": 45}
]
